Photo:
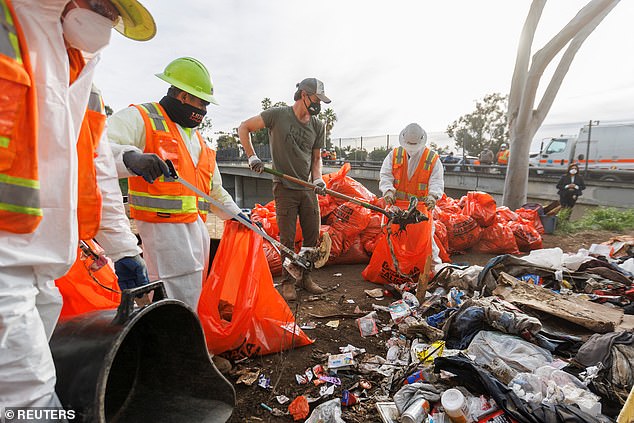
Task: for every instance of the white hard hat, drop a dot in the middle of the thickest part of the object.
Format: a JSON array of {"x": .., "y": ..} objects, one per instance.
[
  {"x": 412, "y": 135},
  {"x": 505, "y": 145}
]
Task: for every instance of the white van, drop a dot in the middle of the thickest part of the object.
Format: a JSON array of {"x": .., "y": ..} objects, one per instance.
[{"x": 611, "y": 148}]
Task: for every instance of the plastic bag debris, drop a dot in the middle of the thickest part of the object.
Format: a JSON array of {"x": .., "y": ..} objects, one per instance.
[
  {"x": 367, "y": 324},
  {"x": 328, "y": 412},
  {"x": 299, "y": 408}
]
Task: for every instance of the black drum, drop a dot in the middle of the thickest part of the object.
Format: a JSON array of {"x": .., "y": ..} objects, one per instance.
[{"x": 145, "y": 364}]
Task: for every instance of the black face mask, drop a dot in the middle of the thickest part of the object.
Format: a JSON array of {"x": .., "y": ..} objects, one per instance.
[
  {"x": 313, "y": 108},
  {"x": 184, "y": 114}
]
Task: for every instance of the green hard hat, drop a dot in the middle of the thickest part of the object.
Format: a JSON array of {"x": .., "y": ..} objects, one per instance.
[{"x": 191, "y": 76}]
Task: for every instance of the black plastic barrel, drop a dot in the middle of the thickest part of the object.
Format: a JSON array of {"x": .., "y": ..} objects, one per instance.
[{"x": 139, "y": 365}]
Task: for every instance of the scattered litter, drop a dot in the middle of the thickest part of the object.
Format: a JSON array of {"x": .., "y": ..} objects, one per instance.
[
  {"x": 367, "y": 325},
  {"x": 350, "y": 301},
  {"x": 325, "y": 391},
  {"x": 308, "y": 326},
  {"x": 299, "y": 408},
  {"x": 333, "y": 324},
  {"x": 331, "y": 379},
  {"x": 374, "y": 293},
  {"x": 388, "y": 412},
  {"x": 264, "y": 382},
  {"x": 328, "y": 412},
  {"x": 399, "y": 310},
  {"x": 301, "y": 379},
  {"x": 248, "y": 377},
  {"x": 337, "y": 275},
  {"x": 352, "y": 349},
  {"x": 348, "y": 398},
  {"x": 282, "y": 399},
  {"x": 340, "y": 360}
]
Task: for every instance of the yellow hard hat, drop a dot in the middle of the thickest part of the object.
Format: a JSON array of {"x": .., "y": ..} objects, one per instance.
[
  {"x": 191, "y": 76},
  {"x": 135, "y": 20}
]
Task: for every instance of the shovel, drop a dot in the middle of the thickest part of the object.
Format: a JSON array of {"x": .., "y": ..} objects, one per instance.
[
  {"x": 294, "y": 263},
  {"x": 401, "y": 217}
]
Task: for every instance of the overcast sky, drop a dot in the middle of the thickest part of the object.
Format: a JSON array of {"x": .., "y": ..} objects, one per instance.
[{"x": 384, "y": 63}]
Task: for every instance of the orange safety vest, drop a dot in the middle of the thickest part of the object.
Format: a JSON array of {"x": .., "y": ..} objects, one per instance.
[
  {"x": 20, "y": 210},
  {"x": 170, "y": 202},
  {"x": 418, "y": 185},
  {"x": 503, "y": 157},
  {"x": 89, "y": 195}
]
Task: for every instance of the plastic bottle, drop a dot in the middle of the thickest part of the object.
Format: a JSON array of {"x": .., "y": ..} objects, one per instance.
[{"x": 455, "y": 405}]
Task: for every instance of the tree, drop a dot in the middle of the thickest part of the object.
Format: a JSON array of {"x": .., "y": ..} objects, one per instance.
[
  {"x": 205, "y": 129},
  {"x": 378, "y": 154},
  {"x": 226, "y": 141},
  {"x": 524, "y": 119},
  {"x": 262, "y": 136},
  {"x": 357, "y": 154},
  {"x": 485, "y": 127},
  {"x": 329, "y": 117}
]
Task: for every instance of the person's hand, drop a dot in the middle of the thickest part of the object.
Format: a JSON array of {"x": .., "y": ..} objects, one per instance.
[
  {"x": 131, "y": 272},
  {"x": 148, "y": 165},
  {"x": 430, "y": 202},
  {"x": 256, "y": 164},
  {"x": 320, "y": 186},
  {"x": 389, "y": 198}
]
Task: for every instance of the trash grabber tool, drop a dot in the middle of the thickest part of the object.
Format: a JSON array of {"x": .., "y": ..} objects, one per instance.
[
  {"x": 293, "y": 262},
  {"x": 402, "y": 218}
]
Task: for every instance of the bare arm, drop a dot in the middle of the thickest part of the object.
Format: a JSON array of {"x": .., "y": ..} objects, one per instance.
[
  {"x": 250, "y": 125},
  {"x": 315, "y": 164}
]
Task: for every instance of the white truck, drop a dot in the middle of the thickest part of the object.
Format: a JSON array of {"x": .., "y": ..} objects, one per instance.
[{"x": 609, "y": 158}]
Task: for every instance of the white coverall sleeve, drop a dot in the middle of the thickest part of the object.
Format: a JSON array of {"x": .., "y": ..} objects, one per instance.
[
  {"x": 115, "y": 235},
  {"x": 126, "y": 132},
  {"x": 386, "y": 178},
  {"x": 221, "y": 195},
  {"x": 437, "y": 180}
]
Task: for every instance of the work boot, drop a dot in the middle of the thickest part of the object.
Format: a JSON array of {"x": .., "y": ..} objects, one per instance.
[
  {"x": 307, "y": 283},
  {"x": 288, "y": 291},
  {"x": 222, "y": 364}
]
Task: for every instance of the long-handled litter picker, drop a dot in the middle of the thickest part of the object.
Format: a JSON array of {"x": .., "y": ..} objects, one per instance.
[
  {"x": 399, "y": 217},
  {"x": 294, "y": 263}
]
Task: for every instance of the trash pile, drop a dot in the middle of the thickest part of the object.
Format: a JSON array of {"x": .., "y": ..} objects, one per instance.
[
  {"x": 547, "y": 337},
  {"x": 474, "y": 221}
]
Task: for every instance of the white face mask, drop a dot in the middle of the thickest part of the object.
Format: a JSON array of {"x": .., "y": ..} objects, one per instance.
[
  {"x": 413, "y": 148},
  {"x": 573, "y": 171},
  {"x": 86, "y": 30}
]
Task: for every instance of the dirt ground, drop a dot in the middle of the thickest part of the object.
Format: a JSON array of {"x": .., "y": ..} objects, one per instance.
[{"x": 344, "y": 299}]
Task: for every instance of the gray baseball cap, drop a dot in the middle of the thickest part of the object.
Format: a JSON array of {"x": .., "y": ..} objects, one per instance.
[{"x": 314, "y": 86}]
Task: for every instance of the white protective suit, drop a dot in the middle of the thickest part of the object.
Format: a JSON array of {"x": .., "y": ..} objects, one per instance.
[
  {"x": 176, "y": 253},
  {"x": 29, "y": 263},
  {"x": 436, "y": 183}
]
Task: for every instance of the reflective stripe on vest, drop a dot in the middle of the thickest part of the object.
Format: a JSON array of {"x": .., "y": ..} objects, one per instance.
[
  {"x": 20, "y": 195},
  {"x": 156, "y": 118},
  {"x": 9, "y": 44},
  {"x": 163, "y": 203},
  {"x": 20, "y": 210},
  {"x": 399, "y": 168}
]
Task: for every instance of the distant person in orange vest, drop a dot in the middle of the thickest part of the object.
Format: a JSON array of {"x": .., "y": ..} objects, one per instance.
[
  {"x": 169, "y": 217},
  {"x": 503, "y": 155},
  {"x": 411, "y": 170},
  {"x": 42, "y": 112}
]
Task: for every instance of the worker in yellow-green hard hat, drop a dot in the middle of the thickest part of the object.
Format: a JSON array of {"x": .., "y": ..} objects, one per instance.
[{"x": 170, "y": 218}]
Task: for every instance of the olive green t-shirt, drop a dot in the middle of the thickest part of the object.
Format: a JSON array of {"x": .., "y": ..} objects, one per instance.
[{"x": 292, "y": 143}]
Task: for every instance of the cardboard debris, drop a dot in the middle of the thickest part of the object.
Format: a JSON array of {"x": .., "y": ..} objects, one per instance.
[{"x": 596, "y": 317}]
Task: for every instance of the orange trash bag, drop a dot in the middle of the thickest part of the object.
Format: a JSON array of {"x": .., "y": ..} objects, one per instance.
[
  {"x": 241, "y": 313},
  {"x": 81, "y": 293},
  {"x": 412, "y": 247},
  {"x": 497, "y": 239},
  {"x": 339, "y": 181},
  {"x": 481, "y": 206}
]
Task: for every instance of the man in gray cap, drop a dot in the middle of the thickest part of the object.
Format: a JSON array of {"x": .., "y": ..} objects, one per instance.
[{"x": 296, "y": 137}]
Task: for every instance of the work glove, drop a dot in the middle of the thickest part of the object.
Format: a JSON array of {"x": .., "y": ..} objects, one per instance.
[
  {"x": 256, "y": 164},
  {"x": 320, "y": 186},
  {"x": 243, "y": 216},
  {"x": 132, "y": 272},
  {"x": 430, "y": 202},
  {"x": 390, "y": 198},
  {"x": 148, "y": 165}
]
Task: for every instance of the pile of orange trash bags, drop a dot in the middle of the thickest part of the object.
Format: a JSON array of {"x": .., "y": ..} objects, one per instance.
[{"x": 473, "y": 222}]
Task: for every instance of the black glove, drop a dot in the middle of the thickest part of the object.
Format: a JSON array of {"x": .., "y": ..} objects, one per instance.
[
  {"x": 132, "y": 272},
  {"x": 148, "y": 165}
]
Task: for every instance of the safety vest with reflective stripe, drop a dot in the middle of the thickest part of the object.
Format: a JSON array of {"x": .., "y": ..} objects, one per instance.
[
  {"x": 170, "y": 202},
  {"x": 89, "y": 196},
  {"x": 20, "y": 210},
  {"x": 418, "y": 185},
  {"x": 503, "y": 157}
]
